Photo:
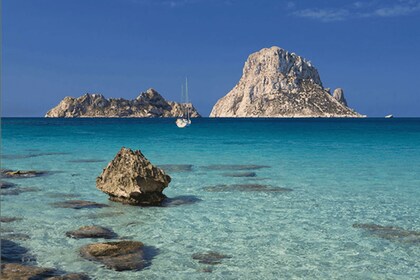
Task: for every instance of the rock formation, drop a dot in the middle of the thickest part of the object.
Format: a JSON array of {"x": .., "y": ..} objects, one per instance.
[
  {"x": 121, "y": 255},
  {"x": 149, "y": 104},
  {"x": 131, "y": 178},
  {"x": 276, "y": 83},
  {"x": 339, "y": 96}
]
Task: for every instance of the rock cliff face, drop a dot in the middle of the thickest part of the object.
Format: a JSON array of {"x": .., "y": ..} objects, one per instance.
[
  {"x": 148, "y": 104},
  {"x": 338, "y": 94},
  {"x": 276, "y": 83}
]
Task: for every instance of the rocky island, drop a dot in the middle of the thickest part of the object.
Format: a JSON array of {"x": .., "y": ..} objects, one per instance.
[
  {"x": 149, "y": 104},
  {"x": 277, "y": 83}
]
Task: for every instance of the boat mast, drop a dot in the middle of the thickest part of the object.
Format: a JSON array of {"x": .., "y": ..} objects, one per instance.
[
  {"x": 182, "y": 100},
  {"x": 186, "y": 98}
]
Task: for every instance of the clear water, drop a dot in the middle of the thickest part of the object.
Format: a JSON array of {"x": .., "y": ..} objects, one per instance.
[{"x": 341, "y": 171}]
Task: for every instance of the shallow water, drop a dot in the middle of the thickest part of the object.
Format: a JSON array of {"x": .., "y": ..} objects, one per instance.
[{"x": 341, "y": 172}]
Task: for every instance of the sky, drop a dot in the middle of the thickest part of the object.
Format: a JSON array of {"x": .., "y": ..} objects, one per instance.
[{"x": 120, "y": 48}]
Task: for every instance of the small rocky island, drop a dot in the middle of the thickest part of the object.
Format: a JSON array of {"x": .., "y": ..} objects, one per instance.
[
  {"x": 149, "y": 104},
  {"x": 276, "y": 83}
]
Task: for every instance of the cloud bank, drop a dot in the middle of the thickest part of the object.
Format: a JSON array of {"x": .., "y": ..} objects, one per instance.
[{"x": 359, "y": 9}]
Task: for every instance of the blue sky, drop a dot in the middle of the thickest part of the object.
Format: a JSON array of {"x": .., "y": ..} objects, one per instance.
[{"x": 57, "y": 48}]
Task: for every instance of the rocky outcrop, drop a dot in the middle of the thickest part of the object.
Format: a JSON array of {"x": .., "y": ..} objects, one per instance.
[
  {"x": 122, "y": 255},
  {"x": 149, "y": 104},
  {"x": 276, "y": 83},
  {"x": 339, "y": 96},
  {"x": 131, "y": 178}
]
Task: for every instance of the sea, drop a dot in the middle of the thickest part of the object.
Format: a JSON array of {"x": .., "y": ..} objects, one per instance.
[{"x": 264, "y": 198}]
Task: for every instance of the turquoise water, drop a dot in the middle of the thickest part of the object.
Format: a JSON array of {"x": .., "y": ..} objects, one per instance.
[{"x": 341, "y": 172}]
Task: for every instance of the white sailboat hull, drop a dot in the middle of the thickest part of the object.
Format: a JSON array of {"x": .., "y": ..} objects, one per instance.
[{"x": 181, "y": 122}]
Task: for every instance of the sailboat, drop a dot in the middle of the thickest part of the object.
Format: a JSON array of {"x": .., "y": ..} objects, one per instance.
[{"x": 184, "y": 120}]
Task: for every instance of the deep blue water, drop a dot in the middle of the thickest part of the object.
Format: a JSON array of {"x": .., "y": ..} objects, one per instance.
[{"x": 341, "y": 172}]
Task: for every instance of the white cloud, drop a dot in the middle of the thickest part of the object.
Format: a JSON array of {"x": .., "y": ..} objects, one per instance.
[
  {"x": 397, "y": 10},
  {"x": 361, "y": 9},
  {"x": 290, "y": 5},
  {"x": 323, "y": 14}
]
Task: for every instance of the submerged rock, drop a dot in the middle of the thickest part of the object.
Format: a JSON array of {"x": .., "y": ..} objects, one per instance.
[
  {"x": 62, "y": 195},
  {"x": 7, "y": 173},
  {"x": 6, "y": 185},
  {"x": 33, "y": 155},
  {"x": 391, "y": 233},
  {"x": 225, "y": 167},
  {"x": 11, "y": 252},
  {"x": 131, "y": 178},
  {"x": 15, "y": 236},
  {"x": 277, "y": 83},
  {"x": 9, "y": 219},
  {"x": 240, "y": 174},
  {"x": 17, "y": 191},
  {"x": 211, "y": 258},
  {"x": 245, "y": 188},
  {"x": 86, "y": 160},
  {"x": 14, "y": 271},
  {"x": 180, "y": 200},
  {"x": 78, "y": 204},
  {"x": 92, "y": 232},
  {"x": 176, "y": 167},
  {"x": 122, "y": 255},
  {"x": 102, "y": 215},
  {"x": 71, "y": 276}
]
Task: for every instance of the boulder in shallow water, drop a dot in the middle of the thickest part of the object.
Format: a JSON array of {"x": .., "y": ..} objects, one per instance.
[
  {"x": 92, "y": 232},
  {"x": 131, "y": 178},
  {"x": 14, "y": 271},
  {"x": 122, "y": 255}
]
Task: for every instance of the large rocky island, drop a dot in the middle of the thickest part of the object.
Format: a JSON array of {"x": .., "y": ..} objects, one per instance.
[
  {"x": 276, "y": 83},
  {"x": 148, "y": 104}
]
